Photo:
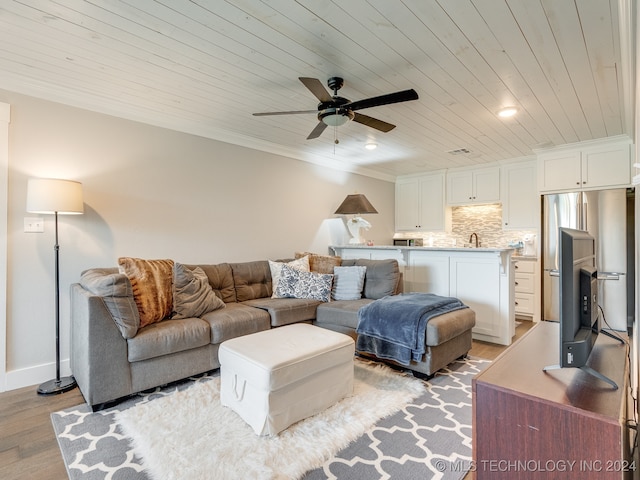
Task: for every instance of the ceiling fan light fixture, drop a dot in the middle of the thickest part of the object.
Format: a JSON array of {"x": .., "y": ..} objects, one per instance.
[
  {"x": 507, "y": 112},
  {"x": 335, "y": 120},
  {"x": 335, "y": 117}
]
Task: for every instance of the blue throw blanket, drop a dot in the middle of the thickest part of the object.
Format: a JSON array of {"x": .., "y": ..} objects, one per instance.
[{"x": 394, "y": 327}]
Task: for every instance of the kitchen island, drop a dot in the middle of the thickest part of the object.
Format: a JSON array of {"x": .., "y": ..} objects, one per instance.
[{"x": 482, "y": 278}]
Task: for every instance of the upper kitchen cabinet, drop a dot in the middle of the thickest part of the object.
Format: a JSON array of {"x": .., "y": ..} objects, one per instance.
[
  {"x": 588, "y": 166},
  {"x": 520, "y": 200},
  {"x": 475, "y": 186},
  {"x": 420, "y": 204}
]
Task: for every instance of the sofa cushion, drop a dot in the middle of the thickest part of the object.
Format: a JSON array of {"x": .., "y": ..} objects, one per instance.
[
  {"x": 251, "y": 280},
  {"x": 234, "y": 320},
  {"x": 117, "y": 295},
  {"x": 348, "y": 282},
  {"x": 298, "y": 284},
  {"x": 168, "y": 337},
  {"x": 152, "y": 284},
  {"x": 275, "y": 268},
  {"x": 192, "y": 294},
  {"x": 221, "y": 280},
  {"x": 382, "y": 278},
  {"x": 340, "y": 312},
  {"x": 320, "y": 263},
  {"x": 445, "y": 327},
  {"x": 284, "y": 311}
]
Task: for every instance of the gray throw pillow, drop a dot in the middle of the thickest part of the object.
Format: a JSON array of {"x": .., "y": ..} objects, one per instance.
[
  {"x": 117, "y": 295},
  {"x": 382, "y": 278},
  {"x": 348, "y": 282},
  {"x": 192, "y": 294}
]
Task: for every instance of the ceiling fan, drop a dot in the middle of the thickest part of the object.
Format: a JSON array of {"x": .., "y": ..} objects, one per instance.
[{"x": 335, "y": 111}]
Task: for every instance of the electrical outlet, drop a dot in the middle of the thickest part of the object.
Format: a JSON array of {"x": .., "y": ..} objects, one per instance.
[{"x": 33, "y": 224}]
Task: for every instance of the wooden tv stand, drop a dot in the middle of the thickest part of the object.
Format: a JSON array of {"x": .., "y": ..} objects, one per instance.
[{"x": 565, "y": 423}]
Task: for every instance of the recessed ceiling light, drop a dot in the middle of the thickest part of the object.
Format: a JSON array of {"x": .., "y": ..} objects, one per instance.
[
  {"x": 371, "y": 146},
  {"x": 507, "y": 112}
]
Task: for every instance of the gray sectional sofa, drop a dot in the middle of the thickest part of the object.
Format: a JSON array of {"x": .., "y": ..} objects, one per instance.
[{"x": 112, "y": 358}]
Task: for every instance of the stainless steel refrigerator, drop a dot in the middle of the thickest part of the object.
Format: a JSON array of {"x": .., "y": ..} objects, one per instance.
[{"x": 608, "y": 216}]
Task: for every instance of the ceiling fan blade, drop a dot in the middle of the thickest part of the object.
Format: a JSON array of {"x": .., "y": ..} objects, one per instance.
[
  {"x": 316, "y": 87},
  {"x": 294, "y": 112},
  {"x": 373, "y": 122},
  {"x": 403, "y": 96},
  {"x": 316, "y": 132}
]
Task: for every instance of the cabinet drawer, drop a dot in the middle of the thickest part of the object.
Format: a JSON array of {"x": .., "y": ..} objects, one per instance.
[
  {"x": 525, "y": 267},
  {"x": 524, "y": 282},
  {"x": 524, "y": 303}
]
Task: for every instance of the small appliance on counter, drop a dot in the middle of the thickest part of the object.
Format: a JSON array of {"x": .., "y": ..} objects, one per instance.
[
  {"x": 408, "y": 242},
  {"x": 529, "y": 247}
]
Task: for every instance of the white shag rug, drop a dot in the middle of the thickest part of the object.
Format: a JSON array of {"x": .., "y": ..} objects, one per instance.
[{"x": 189, "y": 434}]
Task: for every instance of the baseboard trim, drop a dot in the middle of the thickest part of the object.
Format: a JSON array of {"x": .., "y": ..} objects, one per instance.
[{"x": 33, "y": 376}]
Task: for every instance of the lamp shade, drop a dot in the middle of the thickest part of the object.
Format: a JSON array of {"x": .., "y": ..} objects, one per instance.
[
  {"x": 355, "y": 204},
  {"x": 52, "y": 195}
]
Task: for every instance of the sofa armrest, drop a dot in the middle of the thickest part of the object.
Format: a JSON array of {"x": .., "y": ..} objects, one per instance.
[{"x": 98, "y": 350}]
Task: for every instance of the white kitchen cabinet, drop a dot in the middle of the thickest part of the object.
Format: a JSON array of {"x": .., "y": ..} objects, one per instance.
[
  {"x": 420, "y": 204},
  {"x": 427, "y": 271},
  {"x": 485, "y": 285},
  {"x": 526, "y": 289},
  {"x": 591, "y": 167},
  {"x": 559, "y": 171},
  {"x": 520, "y": 199},
  {"x": 475, "y": 186},
  {"x": 606, "y": 167}
]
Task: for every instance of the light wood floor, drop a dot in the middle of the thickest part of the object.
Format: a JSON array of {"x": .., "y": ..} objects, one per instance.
[{"x": 28, "y": 447}]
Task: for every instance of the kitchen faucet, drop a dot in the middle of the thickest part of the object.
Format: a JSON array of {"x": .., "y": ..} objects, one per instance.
[{"x": 471, "y": 237}]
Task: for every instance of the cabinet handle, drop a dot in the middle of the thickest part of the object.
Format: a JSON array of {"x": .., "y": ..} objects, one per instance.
[
  {"x": 584, "y": 183},
  {"x": 516, "y": 267},
  {"x": 577, "y": 183},
  {"x": 517, "y": 283},
  {"x": 516, "y": 303}
]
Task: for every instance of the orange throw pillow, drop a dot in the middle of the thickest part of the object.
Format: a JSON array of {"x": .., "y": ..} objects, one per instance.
[{"x": 152, "y": 285}]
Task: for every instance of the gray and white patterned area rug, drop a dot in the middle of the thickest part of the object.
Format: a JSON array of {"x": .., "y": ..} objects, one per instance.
[{"x": 428, "y": 438}]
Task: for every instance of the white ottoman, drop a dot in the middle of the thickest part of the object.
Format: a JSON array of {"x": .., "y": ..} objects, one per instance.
[{"x": 277, "y": 377}]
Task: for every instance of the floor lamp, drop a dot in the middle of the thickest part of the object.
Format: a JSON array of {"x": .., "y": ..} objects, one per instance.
[{"x": 54, "y": 196}]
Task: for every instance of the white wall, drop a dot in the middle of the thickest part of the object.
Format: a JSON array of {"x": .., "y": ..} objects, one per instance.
[
  {"x": 152, "y": 193},
  {"x": 5, "y": 117}
]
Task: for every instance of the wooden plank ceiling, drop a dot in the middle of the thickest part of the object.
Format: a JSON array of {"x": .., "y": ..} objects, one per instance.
[{"x": 204, "y": 66}]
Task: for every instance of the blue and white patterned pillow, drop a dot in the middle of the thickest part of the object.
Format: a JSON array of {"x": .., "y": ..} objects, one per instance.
[{"x": 298, "y": 284}]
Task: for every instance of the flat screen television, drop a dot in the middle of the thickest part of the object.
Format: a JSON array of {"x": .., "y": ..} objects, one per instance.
[{"x": 579, "y": 313}]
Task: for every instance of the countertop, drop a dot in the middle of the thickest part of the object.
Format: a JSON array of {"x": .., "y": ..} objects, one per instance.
[
  {"x": 434, "y": 249},
  {"x": 528, "y": 258}
]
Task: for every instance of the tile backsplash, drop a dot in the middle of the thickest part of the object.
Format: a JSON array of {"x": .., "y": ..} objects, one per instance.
[{"x": 485, "y": 220}]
